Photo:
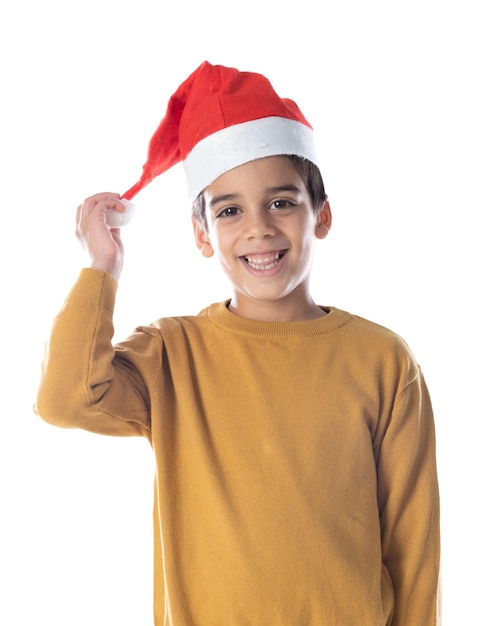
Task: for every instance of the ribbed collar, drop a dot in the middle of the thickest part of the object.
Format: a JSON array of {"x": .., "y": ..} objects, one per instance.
[{"x": 221, "y": 316}]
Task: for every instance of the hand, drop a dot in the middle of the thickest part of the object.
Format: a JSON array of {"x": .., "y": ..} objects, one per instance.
[{"x": 102, "y": 242}]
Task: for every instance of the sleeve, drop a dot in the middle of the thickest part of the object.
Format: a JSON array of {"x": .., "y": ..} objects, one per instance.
[
  {"x": 86, "y": 382},
  {"x": 409, "y": 507}
]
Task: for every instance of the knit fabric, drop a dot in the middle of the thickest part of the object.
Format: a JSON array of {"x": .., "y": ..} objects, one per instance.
[{"x": 296, "y": 481}]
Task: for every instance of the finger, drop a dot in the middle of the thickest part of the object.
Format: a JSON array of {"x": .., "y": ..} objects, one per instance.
[
  {"x": 105, "y": 195},
  {"x": 116, "y": 217},
  {"x": 100, "y": 202}
]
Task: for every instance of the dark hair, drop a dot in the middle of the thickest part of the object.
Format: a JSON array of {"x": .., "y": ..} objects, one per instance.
[{"x": 306, "y": 169}]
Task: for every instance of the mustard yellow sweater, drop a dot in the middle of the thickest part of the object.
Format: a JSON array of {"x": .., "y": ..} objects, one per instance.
[{"x": 296, "y": 481}]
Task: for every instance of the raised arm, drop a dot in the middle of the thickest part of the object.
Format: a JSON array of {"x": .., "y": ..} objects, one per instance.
[{"x": 86, "y": 382}]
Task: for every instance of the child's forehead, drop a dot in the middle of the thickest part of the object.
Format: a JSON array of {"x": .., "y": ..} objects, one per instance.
[
  {"x": 265, "y": 175},
  {"x": 280, "y": 166}
]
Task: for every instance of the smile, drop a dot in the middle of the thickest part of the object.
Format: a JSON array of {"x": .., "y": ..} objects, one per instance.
[{"x": 264, "y": 261}]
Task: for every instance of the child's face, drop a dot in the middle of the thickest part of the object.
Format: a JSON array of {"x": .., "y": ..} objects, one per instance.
[{"x": 262, "y": 227}]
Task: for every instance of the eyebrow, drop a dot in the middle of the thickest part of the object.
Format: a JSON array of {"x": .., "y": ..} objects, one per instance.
[
  {"x": 223, "y": 198},
  {"x": 270, "y": 190}
]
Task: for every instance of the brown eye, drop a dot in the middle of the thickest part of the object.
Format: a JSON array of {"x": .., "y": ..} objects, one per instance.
[
  {"x": 229, "y": 212},
  {"x": 280, "y": 204}
]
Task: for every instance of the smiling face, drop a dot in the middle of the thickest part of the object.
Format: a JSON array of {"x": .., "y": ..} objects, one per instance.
[{"x": 262, "y": 226}]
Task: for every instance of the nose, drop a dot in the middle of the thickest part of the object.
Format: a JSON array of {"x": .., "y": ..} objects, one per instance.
[{"x": 259, "y": 224}]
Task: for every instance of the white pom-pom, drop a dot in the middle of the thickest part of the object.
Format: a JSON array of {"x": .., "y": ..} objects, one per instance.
[{"x": 114, "y": 219}]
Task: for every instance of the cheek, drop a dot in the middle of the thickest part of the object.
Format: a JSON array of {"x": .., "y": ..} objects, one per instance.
[
  {"x": 221, "y": 241},
  {"x": 308, "y": 249}
]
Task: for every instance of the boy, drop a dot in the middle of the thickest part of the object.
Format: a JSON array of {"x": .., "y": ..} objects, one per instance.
[{"x": 294, "y": 444}]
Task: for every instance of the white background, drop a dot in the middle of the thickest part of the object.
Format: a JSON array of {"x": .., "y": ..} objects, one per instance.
[{"x": 394, "y": 91}]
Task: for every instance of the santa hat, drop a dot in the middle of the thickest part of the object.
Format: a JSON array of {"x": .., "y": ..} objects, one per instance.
[{"x": 220, "y": 118}]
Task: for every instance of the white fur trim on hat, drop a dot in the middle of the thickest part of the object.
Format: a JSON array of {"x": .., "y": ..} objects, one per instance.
[{"x": 235, "y": 145}]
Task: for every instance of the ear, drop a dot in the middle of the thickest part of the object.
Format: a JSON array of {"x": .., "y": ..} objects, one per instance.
[
  {"x": 202, "y": 239},
  {"x": 324, "y": 221}
]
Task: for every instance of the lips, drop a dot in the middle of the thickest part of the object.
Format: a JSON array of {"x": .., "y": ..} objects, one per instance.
[{"x": 266, "y": 261}]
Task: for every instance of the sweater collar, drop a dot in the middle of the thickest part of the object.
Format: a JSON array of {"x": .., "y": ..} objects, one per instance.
[{"x": 221, "y": 316}]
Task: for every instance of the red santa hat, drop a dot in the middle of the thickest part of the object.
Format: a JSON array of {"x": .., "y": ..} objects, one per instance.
[{"x": 220, "y": 118}]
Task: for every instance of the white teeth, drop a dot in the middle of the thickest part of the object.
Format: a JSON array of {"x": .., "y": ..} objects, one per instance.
[
  {"x": 262, "y": 267},
  {"x": 267, "y": 258},
  {"x": 268, "y": 263}
]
